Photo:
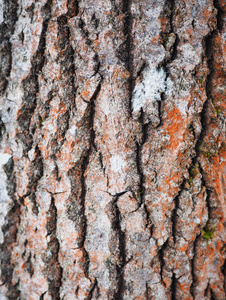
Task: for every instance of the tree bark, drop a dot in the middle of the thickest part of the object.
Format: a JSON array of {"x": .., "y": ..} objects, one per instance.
[{"x": 112, "y": 154}]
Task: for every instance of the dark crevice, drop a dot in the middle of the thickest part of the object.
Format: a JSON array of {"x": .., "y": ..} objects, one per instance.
[
  {"x": 53, "y": 268},
  {"x": 174, "y": 52},
  {"x": 73, "y": 8},
  {"x": 174, "y": 212},
  {"x": 161, "y": 259},
  {"x": 169, "y": 13},
  {"x": 207, "y": 290},
  {"x": 66, "y": 61},
  {"x": 28, "y": 266},
  {"x": 42, "y": 296},
  {"x": 172, "y": 10},
  {"x": 84, "y": 166},
  {"x": 116, "y": 224},
  {"x": 223, "y": 269},
  {"x": 10, "y": 16},
  {"x": 128, "y": 48},
  {"x": 174, "y": 219},
  {"x": 220, "y": 15},
  {"x": 84, "y": 31},
  {"x": 146, "y": 292},
  {"x": 94, "y": 287},
  {"x": 37, "y": 171},
  {"x": 139, "y": 73},
  {"x": 31, "y": 85},
  {"x": 141, "y": 190},
  {"x": 193, "y": 263},
  {"x": 10, "y": 231},
  {"x": 101, "y": 162},
  {"x": 207, "y": 44},
  {"x": 207, "y": 200},
  {"x": 174, "y": 287}
]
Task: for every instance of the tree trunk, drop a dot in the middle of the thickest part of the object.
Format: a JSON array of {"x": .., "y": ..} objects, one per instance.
[{"x": 112, "y": 159}]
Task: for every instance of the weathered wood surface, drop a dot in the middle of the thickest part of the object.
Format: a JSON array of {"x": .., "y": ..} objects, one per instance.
[{"x": 112, "y": 158}]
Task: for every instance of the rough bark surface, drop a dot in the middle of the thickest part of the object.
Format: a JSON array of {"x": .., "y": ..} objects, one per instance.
[{"x": 112, "y": 158}]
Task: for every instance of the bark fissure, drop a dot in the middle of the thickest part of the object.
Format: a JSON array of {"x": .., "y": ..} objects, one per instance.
[
  {"x": 128, "y": 25},
  {"x": 122, "y": 250},
  {"x": 84, "y": 167},
  {"x": 141, "y": 191},
  {"x": 220, "y": 15},
  {"x": 53, "y": 268},
  {"x": 10, "y": 231},
  {"x": 120, "y": 189},
  {"x": 10, "y": 17},
  {"x": 31, "y": 86},
  {"x": 174, "y": 212},
  {"x": 192, "y": 287},
  {"x": 73, "y": 8},
  {"x": 162, "y": 260},
  {"x": 91, "y": 293},
  {"x": 174, "y": 287}
]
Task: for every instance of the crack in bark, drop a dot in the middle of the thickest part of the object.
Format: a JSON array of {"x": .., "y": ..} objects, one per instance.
[
  {"x": 220, "y": 15},
  {"x": 31, "y": 86},
  {"x": 174, "y": 212},
  {"x": 223, "y": 268},
  {"x": 161, "y": 259},
  {"x": 84, "y": 166},
  {"x": 28, "y": 266},
  {"x": 204, "y": 112},
  {"x": 95, "y": 286},
  {"x": 174, "y": 287},
  {"x": 10, "y": 231},
  {"x": 73, "y": 8},
  {"x": 66, "y": 60},
  {"x": 116, "y": 224},
  {"x": 127, "y": 30},
  {"x": 53, "y": 268},
  {"x": 192, "y": 291},
  {"x": 36, "y": 174},
  {"x": 141, "y": 191},
  {"x": 7, "y": 28}
]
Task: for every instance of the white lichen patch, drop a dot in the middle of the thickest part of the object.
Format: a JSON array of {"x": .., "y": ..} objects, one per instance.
[
  {"x": 183, "y": 107},
  {"x": 147, "y": 94},
  {"x": 117, "y": 163},
  {"x": 4, "y": 158},
  {"x": 190, "y": 56}
]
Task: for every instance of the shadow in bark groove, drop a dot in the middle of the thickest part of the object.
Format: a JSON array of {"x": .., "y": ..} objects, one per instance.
[
  {"x": 54, "y": 270},
  {"x": 10, "y": 231}
]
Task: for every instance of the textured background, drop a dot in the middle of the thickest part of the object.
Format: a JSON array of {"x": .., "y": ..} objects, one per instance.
[{"x": 112, "y": 154}]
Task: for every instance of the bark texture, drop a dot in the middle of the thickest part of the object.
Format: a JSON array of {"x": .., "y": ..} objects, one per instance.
[{"x": 112, "y": 158}]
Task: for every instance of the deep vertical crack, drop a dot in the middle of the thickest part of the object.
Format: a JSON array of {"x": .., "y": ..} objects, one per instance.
[
  {"x": 174, "y": 219},
  {"x": 174, "y": 212},
  {"x": 161, "y": 259},
  {"x": 127, "y": 30},
  {"x": 91, "y": 292},
  {"x": 223, "y": 268},
  {"x": 141, "y": 191},
  {"x": 10, "y": 231},
  {"x": 10, "y": 15},
  {"x": 73, "y": 8},
  {"x": 53, "y": 268},
  {"x": 220, "y": 15},
  {"x": 116, "y": 224},
  {"x": 192, "y": 287},
  {"x": 84, "y": 166},
  {"x": 31, "y": 85},
  {"x": 174, "y": 287}
]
